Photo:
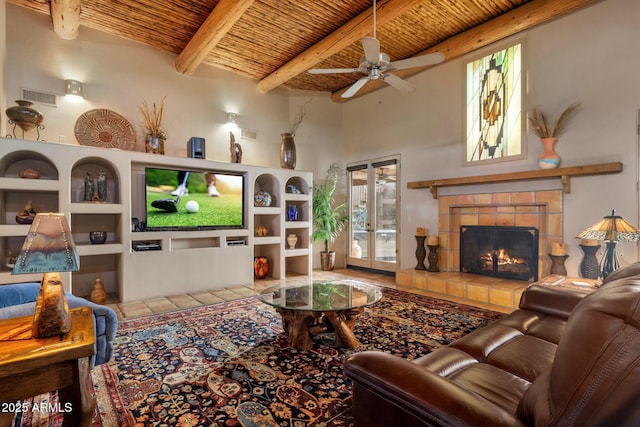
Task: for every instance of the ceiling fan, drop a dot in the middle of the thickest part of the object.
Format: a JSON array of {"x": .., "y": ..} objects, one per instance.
[{"x": 375, "y": 65}]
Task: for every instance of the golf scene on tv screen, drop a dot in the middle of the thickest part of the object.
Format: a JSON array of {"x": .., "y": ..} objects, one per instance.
[{"x": 193, "y": 200}]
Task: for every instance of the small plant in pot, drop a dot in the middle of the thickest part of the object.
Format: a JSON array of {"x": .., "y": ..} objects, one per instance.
[{"x": 329, "y": 218}]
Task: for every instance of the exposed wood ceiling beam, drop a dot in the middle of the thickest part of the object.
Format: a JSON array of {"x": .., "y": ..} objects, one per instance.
[
  {"x": 354, "y": 30},
  {"x": 524, "y": 17},
  {"x": 215, "y": 27},
  {"x": 65, "y": 15}
]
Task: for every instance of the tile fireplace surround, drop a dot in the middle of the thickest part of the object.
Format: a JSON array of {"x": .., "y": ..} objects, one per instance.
[{"x": 540, "y": 209}]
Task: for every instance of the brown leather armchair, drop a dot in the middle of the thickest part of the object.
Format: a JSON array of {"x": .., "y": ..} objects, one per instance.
[{"x": 561, "y": 359}]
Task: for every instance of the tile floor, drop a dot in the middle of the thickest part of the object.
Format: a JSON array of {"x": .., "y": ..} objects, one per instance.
[{"x": 182, "y": 301}]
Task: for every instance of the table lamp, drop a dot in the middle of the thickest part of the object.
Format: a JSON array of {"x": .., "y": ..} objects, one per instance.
[
  {"x": 612, "y": 229},
  {"x": 49, "y": 249}
]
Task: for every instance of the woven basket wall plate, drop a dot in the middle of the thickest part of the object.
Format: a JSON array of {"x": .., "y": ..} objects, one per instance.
[{"x": 105, "y": 128}]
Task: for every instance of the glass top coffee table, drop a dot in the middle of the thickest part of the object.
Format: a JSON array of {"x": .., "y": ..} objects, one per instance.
[{"x": 320, "y": 307}]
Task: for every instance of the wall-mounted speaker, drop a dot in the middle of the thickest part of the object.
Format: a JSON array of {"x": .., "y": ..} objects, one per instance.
[{"x": 195, "y": 148}]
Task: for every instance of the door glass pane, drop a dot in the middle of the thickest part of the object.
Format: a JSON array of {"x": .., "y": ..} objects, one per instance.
[
  {"x": 385, "y": 205},
  {"x": 359, "y": 214}
]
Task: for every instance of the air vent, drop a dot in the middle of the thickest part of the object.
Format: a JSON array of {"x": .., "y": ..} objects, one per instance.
[
  {"x": 39, "y": 97},
  {"x": 248, "y": 134}
]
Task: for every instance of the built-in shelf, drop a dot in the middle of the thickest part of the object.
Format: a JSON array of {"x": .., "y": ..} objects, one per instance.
[{"x": 564, "y": 174}]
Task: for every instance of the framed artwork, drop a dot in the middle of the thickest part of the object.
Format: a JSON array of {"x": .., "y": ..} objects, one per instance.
[{"x": 494, "y": 124}]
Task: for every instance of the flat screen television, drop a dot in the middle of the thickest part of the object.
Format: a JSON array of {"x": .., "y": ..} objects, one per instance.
[{"x": 193, "y": 200}]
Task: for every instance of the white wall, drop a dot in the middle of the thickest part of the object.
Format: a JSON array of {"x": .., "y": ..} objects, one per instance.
[
  {"x": 119, "y": 75},
  {"x": 589, "y": 56}
]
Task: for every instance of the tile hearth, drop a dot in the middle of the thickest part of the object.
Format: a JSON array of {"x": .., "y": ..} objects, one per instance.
[{"x": 482, "y": 291}]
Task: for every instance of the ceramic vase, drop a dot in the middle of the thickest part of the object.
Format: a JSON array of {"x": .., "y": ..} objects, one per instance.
[
  {"x": 98, "y": 294},
  {"x": 292, "y": 240},
  {"x": 24, "y": 116},
  {"x": 549, "y": 159},
  {"x": 287, "y": 151},
  {"x": 260, "y": 267},
  {"x": 292, "y": 213}
]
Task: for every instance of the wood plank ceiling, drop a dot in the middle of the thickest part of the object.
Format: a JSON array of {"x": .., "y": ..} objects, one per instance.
[{"x": 276, "y": 41}]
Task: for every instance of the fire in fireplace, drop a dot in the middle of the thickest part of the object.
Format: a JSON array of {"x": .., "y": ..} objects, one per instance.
[{"x": 500, "y": 251}]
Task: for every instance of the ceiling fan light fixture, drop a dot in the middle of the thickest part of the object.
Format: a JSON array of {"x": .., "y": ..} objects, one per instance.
[{"x": 374, "y": 64}]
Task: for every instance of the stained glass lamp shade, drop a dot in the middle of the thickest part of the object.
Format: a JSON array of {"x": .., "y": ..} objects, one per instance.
[
  {"x": 49, "y": 249},
  {"x": 611, "y": 229}
]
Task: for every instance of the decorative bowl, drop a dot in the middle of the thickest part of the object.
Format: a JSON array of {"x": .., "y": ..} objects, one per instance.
[{"x": 98, "y": 237}]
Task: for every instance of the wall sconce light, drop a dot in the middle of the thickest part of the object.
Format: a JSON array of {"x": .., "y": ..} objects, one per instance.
[
  {"x": 232, "y": 122},
  {"x": 73, "y": 89}
]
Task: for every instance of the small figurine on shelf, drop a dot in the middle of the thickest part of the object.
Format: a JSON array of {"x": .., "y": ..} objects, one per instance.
[
  {"x": 89, "y": 187},
  {"x": 293, "y": 189},
  {"x": 26, "y": 215},
  {"x": 102, "y": 186},
  {"x": 261, "y": 231},
  {"x": 235, "y": 149}
]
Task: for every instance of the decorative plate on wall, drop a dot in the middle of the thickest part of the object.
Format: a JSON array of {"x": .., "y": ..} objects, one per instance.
[{"x": 105, "y": 128}]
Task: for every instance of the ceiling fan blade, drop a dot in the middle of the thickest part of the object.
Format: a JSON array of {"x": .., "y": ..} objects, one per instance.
[
  {"x": 332, "y": 70},
  {"x": 371, "y": 48},
  {"x": 398, "y": 83},
  {"x": 417, "y": 61},
  {"x": 355, "y": 87}
]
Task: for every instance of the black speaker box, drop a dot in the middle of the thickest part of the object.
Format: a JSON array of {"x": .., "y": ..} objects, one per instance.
[{"x": 195, "y": 148}]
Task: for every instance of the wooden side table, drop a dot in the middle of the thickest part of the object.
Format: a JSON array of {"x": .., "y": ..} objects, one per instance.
[{"x": 31, "y": 366}]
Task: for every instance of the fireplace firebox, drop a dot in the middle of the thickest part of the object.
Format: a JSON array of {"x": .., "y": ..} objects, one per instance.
[{"x": 500, "y": 251}]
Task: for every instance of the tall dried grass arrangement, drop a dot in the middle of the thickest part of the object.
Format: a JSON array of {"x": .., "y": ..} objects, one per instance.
[
  {"x": 302, "y": 114},
  {"x": 152, "y": 118},
  {"x": 540, "y": 126}
]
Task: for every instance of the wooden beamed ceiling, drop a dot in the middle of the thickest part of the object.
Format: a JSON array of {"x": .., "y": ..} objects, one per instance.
[{"x": 276, "y": 41}]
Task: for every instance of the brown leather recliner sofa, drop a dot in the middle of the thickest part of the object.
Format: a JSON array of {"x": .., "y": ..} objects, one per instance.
[{"x": 561, "y": 359}]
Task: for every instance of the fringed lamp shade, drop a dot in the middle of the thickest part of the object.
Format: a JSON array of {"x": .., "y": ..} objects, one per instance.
[
  {"x": 612, "y": 229},
  {"x": 49, "y": 249}
]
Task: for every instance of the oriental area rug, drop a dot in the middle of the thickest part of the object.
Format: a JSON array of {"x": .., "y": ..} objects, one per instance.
[{"x": 229, "y": 364}]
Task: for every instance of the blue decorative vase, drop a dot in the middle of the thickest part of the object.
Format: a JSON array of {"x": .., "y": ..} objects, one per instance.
[{"x": 292, "y": 213}]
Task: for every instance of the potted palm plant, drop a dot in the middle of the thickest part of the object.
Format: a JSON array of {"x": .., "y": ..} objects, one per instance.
[{"x": 329, "y": 218}]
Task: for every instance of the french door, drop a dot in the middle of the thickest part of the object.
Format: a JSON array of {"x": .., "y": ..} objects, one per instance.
[{"x": 374, "y": 208}]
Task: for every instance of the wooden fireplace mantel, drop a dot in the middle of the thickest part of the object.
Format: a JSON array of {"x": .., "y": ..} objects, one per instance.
[{"x": 564, "y": 174}]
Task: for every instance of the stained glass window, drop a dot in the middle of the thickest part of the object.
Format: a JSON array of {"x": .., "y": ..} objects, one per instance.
[{"x": 494, "y": 107}]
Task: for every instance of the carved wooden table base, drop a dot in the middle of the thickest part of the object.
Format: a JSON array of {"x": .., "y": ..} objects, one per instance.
[{"x": 301, "y": 326}]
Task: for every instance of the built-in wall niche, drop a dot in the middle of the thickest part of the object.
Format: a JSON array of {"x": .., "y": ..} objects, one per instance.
[
  {"x": 13, "y": 163},
  {"x": 272, "y": 252},
  {"x": 83, "y": 224},
  {"x": 270, "y": 184},
  {"x": 9, "y": 249},
  {"x": 297, "y": 265},
  {"x": 270, "y": 221},
  {"x": 302, "y": 207},
  {"x": 296, "y": 183},
  {"x": 105, "y": 265},
  {"x": 14, "y": 202},
  {"x": 195, "y": 243},
  {"x": 98, "y": 171},
  {"x": 303, "y": 237}
]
